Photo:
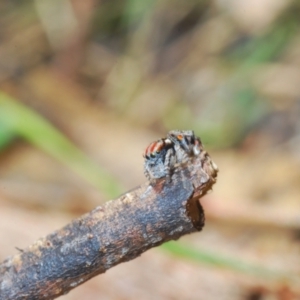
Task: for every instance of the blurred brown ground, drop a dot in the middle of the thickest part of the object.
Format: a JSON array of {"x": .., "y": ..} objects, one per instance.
[{"x": 113, "y": 76}]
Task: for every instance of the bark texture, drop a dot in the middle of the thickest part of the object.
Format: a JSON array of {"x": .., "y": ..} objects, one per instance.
[{"x": 116, "y": 232}]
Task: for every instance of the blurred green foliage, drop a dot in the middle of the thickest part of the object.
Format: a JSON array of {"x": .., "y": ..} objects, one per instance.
[
  {"x": 17, "y": 120},
  {"x": 216, "y": 260},
  {"x": 7, "y": 135}
]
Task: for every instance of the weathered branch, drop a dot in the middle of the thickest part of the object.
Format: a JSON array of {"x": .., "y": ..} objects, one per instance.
[{"x": 116, "y": 232}]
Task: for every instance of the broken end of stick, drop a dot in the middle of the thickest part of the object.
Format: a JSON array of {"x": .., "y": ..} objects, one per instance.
[
  {"x": 203, "y": 180},
  {"x": 203, "y": 173},
  {"x": 198, "y": 174}
]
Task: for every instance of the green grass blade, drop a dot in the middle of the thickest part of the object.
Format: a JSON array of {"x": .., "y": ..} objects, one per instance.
[
  {"x": 216, "y": 260},
  {"x": 35, "y": 129},
  {"x": 6, "y": 136}
]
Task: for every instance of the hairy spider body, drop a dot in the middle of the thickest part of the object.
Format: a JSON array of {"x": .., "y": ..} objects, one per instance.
[
  {"x": 159, "y": 159},
  {"x": 162, "y": 156}
]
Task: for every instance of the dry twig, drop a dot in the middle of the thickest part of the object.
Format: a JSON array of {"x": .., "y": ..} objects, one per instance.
[{"x": 113, "y": 233}]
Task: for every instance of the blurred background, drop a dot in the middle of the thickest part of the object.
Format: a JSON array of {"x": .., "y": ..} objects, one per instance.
[{"x": 85, "y": 86}]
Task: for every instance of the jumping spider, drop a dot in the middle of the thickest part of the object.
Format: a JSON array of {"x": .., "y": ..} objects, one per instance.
[{"x": 163, "y": 155}]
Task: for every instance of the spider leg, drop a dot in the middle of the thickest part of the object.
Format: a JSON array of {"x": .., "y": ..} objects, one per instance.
[
  {"x": 169, "y": 162},
  {"x": 146, "y": 171}
]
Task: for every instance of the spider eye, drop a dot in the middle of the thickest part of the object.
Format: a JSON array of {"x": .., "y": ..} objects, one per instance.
[{"x": 152, "y": 155}]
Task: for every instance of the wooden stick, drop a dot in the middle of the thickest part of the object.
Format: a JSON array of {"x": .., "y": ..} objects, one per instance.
[{"x": 116, "y": 232}]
